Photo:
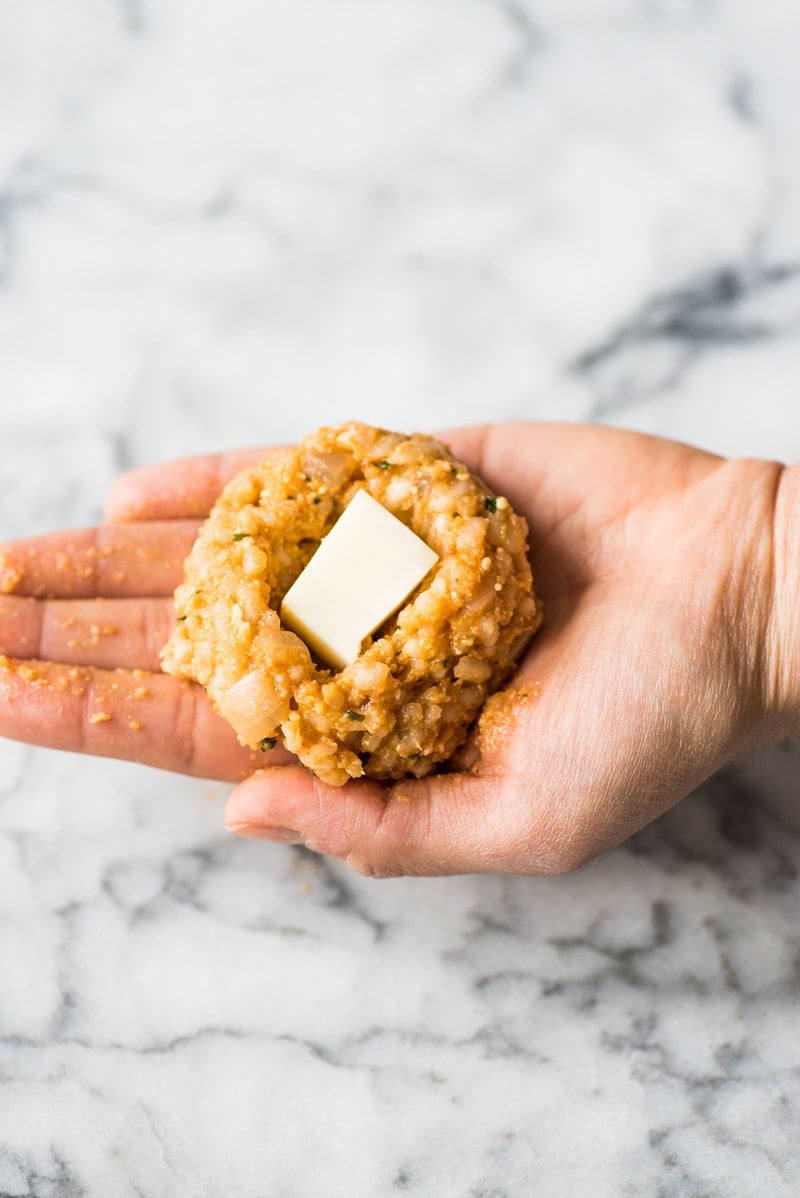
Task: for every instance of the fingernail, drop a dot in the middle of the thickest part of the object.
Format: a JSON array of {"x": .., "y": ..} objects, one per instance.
[{"x": 259, "y": 832}]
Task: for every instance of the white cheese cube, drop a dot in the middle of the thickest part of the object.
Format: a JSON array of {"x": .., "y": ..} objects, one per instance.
[{"x": 362, "y": 572}]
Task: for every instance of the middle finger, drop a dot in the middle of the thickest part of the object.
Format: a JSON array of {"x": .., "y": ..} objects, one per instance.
[{"x": 113, "y": 560}]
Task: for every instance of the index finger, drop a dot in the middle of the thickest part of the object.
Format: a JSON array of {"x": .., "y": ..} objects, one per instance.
[
  {"x": 188, "y": 487},
  {"x": 184, "y": 488},
  {"x": 111, "y": 561}
]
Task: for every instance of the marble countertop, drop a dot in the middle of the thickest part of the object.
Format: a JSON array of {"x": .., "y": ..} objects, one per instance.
[{"x": 230, "y": 222}]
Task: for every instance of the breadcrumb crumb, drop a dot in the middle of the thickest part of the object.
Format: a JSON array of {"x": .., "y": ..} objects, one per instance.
[{"x": 10, "y": 578}]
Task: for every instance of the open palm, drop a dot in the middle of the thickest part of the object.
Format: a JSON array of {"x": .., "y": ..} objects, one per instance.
[{"x": 653, "y": 668}]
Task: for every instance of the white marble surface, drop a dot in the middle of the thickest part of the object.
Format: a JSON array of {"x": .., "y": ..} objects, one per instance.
[{"x": 230, "y": 221}]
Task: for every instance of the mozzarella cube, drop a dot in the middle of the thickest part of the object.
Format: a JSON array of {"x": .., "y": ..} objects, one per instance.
[{"x": 361, "y": 574}]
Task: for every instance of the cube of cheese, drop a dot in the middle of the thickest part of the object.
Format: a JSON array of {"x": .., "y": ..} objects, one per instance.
[{"x": 362, "y": 572}]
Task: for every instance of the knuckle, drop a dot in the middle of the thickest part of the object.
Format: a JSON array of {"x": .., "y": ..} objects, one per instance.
[
  {"x": 371, "y": 869},
  {"x": 567, "y": 848},
  {"x": 156, "y": 625},
  {"x": 185, "y": 728},
  {"x": 557, "y": 838}
]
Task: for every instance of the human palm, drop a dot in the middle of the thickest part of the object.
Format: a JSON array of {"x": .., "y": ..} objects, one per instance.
[{"x": 654, "y": 666}]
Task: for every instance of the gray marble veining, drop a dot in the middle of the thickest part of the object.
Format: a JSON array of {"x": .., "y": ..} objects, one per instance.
[{"x": 226, "y": 223}]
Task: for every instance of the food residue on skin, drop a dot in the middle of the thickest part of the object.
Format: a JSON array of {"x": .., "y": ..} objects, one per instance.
[
  {"x": 35, "y": 673},
  {"x": 97, "y": 631},
  {"x": 499, "y": 715},
  {"x": 10, "y": 577},
  {"x": 32, "y": 674},
  {"x": 65, "y": 680},
  {"x": 48, "y": 674}
]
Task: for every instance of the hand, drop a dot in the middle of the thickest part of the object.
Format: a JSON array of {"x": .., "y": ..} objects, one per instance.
[
  {"x": 663, "y": 655},
  {"x": 84, "y": 614}
]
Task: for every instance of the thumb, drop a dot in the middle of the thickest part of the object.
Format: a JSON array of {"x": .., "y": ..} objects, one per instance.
[{"x": 444, "y": 824}]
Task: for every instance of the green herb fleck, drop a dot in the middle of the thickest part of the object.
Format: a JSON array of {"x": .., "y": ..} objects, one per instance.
[
  {"x": 384, "y": 465},
  {"x": 181, "y": 618},
  {"x": 316, "y": 499},
  {"x": 490, "y": 503},
  {"x": 269, "y": 742},
  {"x": 240, "y": 536},
  {"x": 454, "y": 470},
  {"x": 355, "y": 715}
]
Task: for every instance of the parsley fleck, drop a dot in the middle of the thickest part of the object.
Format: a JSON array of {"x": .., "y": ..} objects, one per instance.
[
  {"x": 316, "y": 499},
  {"x": 355, "y": 715},
  {"x": 181, "y": 618},
  {"x": 454, "y": 470},
  {"x": 490, "y": 503},
  {"x": 240, "y": 536},
  {"x": 269, "y": 742},
  {"x": 384, "y": 465}
]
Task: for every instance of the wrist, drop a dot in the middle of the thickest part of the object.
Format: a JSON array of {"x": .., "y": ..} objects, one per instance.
[{"x": 784, "y": 623}]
